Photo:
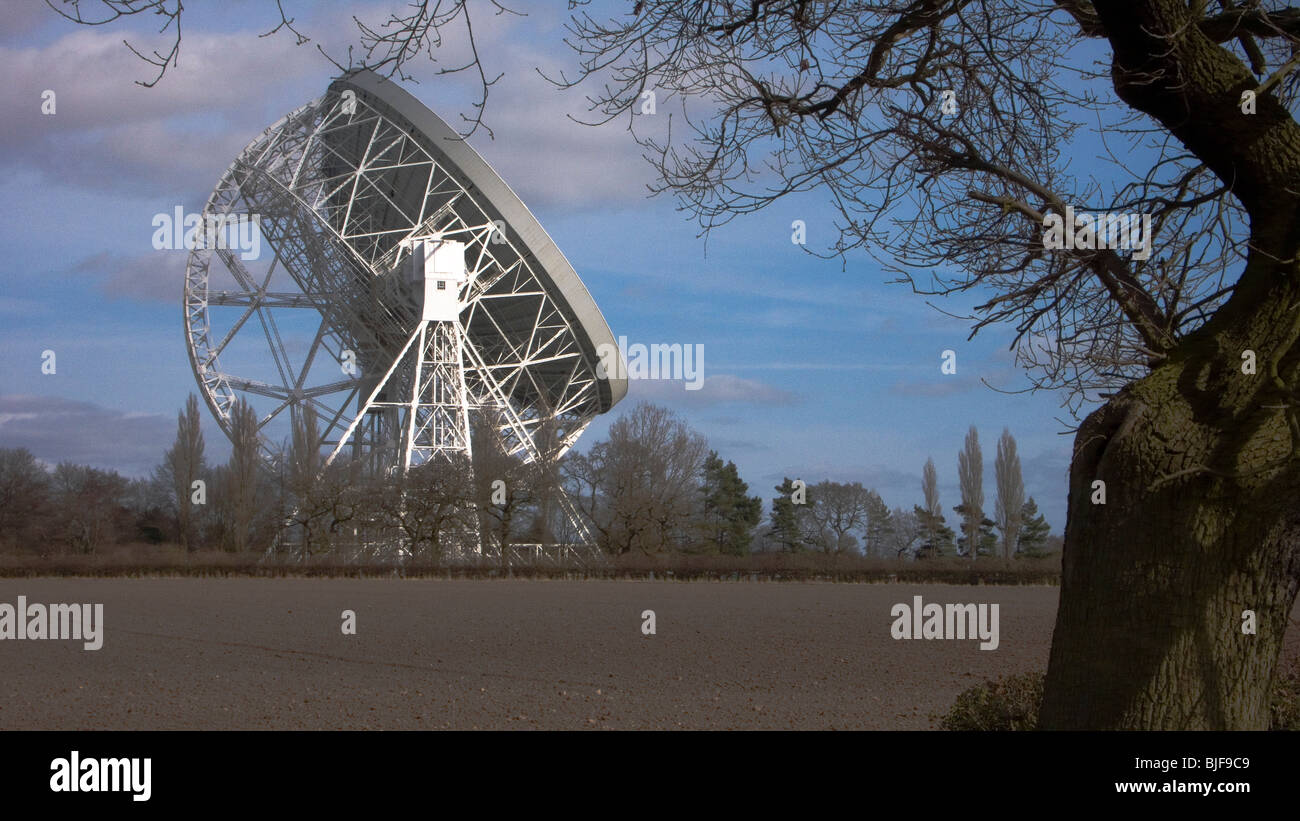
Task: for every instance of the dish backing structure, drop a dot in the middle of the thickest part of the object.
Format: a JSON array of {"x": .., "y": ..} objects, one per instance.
[{"x": 403, "y": 293}]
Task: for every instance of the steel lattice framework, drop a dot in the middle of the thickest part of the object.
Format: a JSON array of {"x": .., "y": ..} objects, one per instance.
[{"x": 343, "y": 187}]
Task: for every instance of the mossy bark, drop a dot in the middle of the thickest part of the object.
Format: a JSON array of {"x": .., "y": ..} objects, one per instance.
[{"x": 1155, "y": 581}]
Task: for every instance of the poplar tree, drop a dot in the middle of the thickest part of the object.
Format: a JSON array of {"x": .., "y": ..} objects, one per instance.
[
  {"x": 970, "y": 477},
  {"x": 243, "y": 477},
  {"x": 184, "y": 461},
  {"x": 1011, "y": 493}
]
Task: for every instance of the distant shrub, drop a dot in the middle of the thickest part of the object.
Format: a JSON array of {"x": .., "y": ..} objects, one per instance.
[
  {"x": 1012, "y": 703},
  {"x": 1005, "y": 703}
]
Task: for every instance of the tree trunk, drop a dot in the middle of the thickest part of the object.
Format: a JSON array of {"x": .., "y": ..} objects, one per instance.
[
  {"x": 1202, "y": 513},
  {"x": 1201, "y": 522},
  {"x": 504, "y": 533}
]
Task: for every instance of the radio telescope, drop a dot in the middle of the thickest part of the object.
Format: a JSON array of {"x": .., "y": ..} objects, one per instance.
[{"x": 402, "y": 290}]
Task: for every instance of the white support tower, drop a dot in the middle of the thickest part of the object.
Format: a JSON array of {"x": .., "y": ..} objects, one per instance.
[
  {"x": 423, "y": 393},
  {"x": 438, "y": 415}
]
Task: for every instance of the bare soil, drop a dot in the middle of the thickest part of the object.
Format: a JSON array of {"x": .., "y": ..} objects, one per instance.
[{"x": 243, "y": 653}]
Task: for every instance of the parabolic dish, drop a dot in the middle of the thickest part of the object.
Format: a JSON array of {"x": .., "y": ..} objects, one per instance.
[{"x": 338, "y": 188}]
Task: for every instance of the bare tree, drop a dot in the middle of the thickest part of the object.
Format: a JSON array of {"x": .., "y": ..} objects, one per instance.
[
  {"x": 307, "y": 507},
  {"x": 930, "y": 488},
  {"x": 505, "y": 486},
  {"x": 1011, "y": 493},
  {"x": 113, "y": 10},
  {"x": 431, "y": 506},
  {"x": 388, "y": 47},
  {"x": 342, "y": 495},
  {"x": 931, "y": 516},
  {"x": 89, "y": 506},
  {"x": 837, "y": 511},
  {"x": 184, "y": 463},
  {"x": 24, "y": 498},
  {"x": 547, "y": 479},
  {"x": 970, "y": 478},
  {"x": 905, "y": 534},
  {"x": 639, "y": 487},
  {"x": 944, "y": 131},
  {"x": 244, "y": 466},
  {"x": 585, "y": 481}
]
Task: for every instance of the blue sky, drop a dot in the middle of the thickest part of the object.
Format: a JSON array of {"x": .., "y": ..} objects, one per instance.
[{"x": 813, "y": 368}]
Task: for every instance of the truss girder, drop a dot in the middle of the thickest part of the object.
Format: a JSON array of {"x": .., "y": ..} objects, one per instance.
[{"x": 337, "y": 192}]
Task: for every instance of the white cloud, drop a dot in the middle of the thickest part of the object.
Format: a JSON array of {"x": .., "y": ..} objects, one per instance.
[
  {"x": 108, "y": 133},
  {"x": 715, "y": 389}
]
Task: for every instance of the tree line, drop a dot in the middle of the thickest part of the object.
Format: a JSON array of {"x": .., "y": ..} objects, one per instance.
[
  {"x": 652, "y": 485},
  {"x": 286, "y": 500},
  {"x": 637, "y": 489}
]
